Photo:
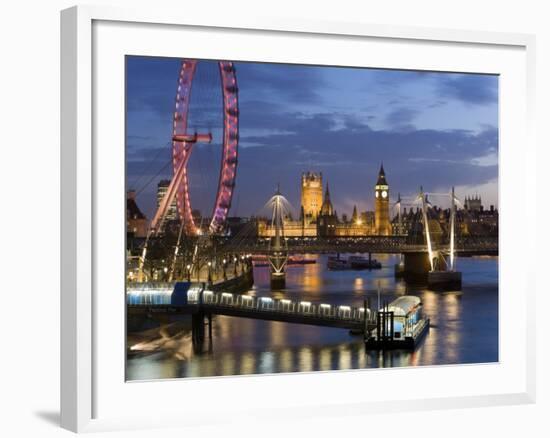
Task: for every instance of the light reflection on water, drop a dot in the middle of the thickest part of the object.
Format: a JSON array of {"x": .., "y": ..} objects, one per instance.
[{"x": 464, "y": 327}]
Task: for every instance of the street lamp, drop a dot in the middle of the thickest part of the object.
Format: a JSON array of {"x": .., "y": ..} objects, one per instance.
[
  {"x": 224, "y": 271},
  {"x": 209, "y": 272},
  {"x": 189, "y": 273}
]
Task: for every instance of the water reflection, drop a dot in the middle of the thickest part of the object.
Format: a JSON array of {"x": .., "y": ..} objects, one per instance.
[
  {"x": 464, "y": 327},
  {"x": 358, "y": 284}
]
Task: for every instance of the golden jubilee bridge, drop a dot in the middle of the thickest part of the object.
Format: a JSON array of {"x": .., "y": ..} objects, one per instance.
[{"x": 464, "y": 246}]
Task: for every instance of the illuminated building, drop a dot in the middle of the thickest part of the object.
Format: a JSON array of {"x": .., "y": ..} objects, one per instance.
[
  {"x": 172, "y": 212},
  {"x": 327, "y": 209},
  {"x": 382, "y": 205},
  {"x": 354, "y": 216},
  {"x": 327, "y": 221},
  {"x": 319, "y": 218},
  {"x": 312, "y": 195},
  {"x": 473, "y": 203},
  {"x": 479, "y": 221}
]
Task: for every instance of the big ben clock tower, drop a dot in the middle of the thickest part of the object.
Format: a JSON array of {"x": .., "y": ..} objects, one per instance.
[{"x": 382, "y": 205}]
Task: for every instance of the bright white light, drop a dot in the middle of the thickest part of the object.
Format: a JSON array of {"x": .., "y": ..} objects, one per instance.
[
  {"x": 227, "y": 295},
  {"x": 345, "y": 308},
  {"x": 305, "y": 303},
  {"x": 325, "y": 306},
  {"x": 266, "y": 299},
  {"x": 285, "y": 301}
]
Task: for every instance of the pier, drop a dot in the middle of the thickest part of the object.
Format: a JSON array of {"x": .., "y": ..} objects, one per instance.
[{"x": 201, "y": 303}]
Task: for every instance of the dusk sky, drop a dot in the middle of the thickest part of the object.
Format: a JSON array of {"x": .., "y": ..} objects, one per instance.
[{"x": 431, "y": 129}]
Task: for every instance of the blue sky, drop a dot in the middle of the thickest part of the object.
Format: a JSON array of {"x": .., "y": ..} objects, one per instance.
[{"x": 431, "y": 129}]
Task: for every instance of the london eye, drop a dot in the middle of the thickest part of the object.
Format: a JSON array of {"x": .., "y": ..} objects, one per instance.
[{"x": 184, "y": 140}]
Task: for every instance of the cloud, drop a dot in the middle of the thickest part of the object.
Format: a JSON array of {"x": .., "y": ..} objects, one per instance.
[
  {"x": 280, "y": 82},
  {"x": 469, "y": 88},
  {"x": 401, "y": 117},
  {"x": 395, "y": 78},
  {"x": 490, "y": 159}
]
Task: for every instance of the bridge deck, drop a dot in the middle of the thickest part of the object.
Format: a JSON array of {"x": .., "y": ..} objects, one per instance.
[
  {"x": 264, "y": 308},
  {"x": 372, "y": 244}
]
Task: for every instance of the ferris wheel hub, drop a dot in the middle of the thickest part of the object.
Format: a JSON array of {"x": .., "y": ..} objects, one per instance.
[{"x": 193, "y": 138}]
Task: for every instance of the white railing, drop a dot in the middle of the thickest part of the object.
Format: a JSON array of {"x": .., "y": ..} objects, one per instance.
[
  {"x": 161, "y": 294},
  {"x": 268, "y": 304}
]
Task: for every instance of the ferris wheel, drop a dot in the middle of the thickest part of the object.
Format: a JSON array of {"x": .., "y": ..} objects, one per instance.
[{"x": 184, "y": 140}]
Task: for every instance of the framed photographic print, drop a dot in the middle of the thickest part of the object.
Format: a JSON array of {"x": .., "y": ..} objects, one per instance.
[{"x": 256, "y": 209}]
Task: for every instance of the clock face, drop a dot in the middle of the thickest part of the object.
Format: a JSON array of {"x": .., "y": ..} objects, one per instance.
[
  {"x": 377, "y": 194},
  {"x": 384, "y": 194}
]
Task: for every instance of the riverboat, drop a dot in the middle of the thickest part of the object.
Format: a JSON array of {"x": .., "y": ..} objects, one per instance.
[
  {"x": 399, "y": 325},
  {"x": 336, "y": 263}
]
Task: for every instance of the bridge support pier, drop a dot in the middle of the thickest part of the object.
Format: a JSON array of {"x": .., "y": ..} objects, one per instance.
[
  {"x": 197, "y": 328},
  {"x": 416, "y": 266},
  {"x": 416, "y": 269},
  {"x": 399, "y": 270},
  {"x": 445, "y": 280},
  {"x": 278, "y": 280}
]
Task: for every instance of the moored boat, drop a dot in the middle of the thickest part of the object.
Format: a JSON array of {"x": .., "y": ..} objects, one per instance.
[
  {"x": 337, "y": 263},
  {"x": 358, "y": 262},
  {"x": 400, "y": 325}
]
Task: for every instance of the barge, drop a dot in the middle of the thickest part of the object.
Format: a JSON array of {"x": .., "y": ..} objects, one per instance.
[{"x": 358, "y": 263}]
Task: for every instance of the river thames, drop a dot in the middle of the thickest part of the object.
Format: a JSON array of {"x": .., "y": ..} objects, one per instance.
[{"x": 463, "y": 327}]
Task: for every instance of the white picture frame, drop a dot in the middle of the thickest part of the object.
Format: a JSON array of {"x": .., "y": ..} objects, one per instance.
[{"x": 84, "y": 372}]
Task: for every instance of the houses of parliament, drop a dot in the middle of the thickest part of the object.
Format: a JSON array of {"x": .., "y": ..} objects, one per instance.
[{"x": 319, "y": 218}]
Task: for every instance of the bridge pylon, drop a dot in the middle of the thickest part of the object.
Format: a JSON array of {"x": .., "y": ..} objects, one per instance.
[
  {"x": 430, "y": 265},
  {"x": 447, "y": 277},
  {"x": 278, "y": 249}
]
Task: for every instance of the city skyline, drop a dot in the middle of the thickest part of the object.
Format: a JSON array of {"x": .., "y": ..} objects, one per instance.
[{"x": 431, "y": 129}]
